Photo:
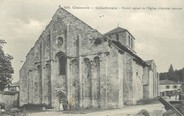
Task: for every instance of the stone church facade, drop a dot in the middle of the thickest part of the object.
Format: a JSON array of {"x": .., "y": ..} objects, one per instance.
[{"x": 72, "y": 63}]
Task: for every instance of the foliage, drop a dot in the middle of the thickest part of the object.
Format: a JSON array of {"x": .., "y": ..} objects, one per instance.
[
  {"x": 173, "y": 75},
  {"x": 6, "y": 69},
  {"x": 171, "y": 68}
]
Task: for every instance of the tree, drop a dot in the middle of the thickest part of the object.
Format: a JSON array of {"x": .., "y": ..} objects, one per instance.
[
  {"x": 171, "y": 74},
  {"x": 163, "y": 76},
  {"x": 171, "y": 70},
  {"x": 6, "y": 69},
  {"x": 182, "y": 74}
]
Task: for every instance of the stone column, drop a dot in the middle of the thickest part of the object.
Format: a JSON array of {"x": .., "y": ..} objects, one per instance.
[
  {"x": 93, "y": 78},
  {"x": 80, "y": 71},
  {"x": 120, "y": 79},
  {"x": 106, "y": 77},
  {"x": 69, "y": 80}
]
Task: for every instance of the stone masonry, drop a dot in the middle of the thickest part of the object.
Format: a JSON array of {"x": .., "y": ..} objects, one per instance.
[{"x": 72, "y": 63}]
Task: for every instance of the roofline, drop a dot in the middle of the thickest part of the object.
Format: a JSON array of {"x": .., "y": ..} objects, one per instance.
[
  {"x": 76, "y": 18},
  {"x": 107, "y": 33},
  {"x": 125, "y": 30},
  {"x": 40, "y": 36},
  {"x": 133, "y": 54}
]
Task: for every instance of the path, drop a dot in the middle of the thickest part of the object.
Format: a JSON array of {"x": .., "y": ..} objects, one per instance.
[{"x": 117, "y": 112}]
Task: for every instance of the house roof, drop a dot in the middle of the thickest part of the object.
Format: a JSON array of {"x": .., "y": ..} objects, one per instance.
[
  {"x": 166, "y": 82},
  {"x": 116, "y": 30},
  {"x": 14, "y": 84}
]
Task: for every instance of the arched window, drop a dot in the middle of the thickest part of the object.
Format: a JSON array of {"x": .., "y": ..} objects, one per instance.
[
  {"x": 74, "y": 66},
  {"x": 97, "y": 62},
  {"x": 62, "y": 64},
  {"x": 97, "y": 59},
  {"x": 61, "y": 59},
  {"x": 117, "y": 37},
  {"x": 39, "y": 72},
  {"x": 129, "y": 41}
]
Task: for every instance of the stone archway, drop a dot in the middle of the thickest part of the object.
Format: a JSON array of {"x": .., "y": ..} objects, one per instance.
[{"x": 62, "y": 102}]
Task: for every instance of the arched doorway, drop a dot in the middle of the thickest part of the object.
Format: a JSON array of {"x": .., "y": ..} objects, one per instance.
[{"x": 62, "y": 101}]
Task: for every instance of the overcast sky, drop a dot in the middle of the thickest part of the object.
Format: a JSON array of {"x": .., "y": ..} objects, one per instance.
[{"x": 159, "y": 34}]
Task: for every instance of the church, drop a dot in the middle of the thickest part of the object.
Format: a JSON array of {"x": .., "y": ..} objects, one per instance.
[{"x": 73, "y": 66}]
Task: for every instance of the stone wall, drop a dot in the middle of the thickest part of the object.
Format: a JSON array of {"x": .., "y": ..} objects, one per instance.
[
  {"x": 137, "y": 82},
  {"x": 146, "y": 83},
  {"x": 113, "y": 79},
  {"x": 8, "y": 100},
  {"x": 128, "y": 80},
  {"x": 151, "y": 81}
]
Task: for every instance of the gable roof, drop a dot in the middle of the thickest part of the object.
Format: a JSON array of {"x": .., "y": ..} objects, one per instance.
[
  {"x": 166, "y": 82},
  {"x": 58, "y": 13},
  {"x": 116, "y": 30},
  {"x": 73, "y": 16}
]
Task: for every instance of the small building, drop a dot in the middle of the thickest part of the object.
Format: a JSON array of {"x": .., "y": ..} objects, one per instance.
[
  {"x": 168, "y": 87},
  {"x": 13, "y": 87},
  {"x": 9, "y": 98}
]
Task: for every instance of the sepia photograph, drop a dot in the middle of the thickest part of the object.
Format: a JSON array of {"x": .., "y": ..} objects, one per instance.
[{"x": 92, "y": 58}]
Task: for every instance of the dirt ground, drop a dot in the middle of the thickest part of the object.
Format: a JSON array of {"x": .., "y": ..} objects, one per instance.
[{"x": 125, "y": 111}]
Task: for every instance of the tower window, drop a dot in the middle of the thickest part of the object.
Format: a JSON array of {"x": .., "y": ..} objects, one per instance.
[
  {"x": 129, "y": 41},
  {"x": 117, "y": 37}
]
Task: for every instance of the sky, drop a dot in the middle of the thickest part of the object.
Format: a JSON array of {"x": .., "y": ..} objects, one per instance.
[{"x": 159, "y": 33}]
